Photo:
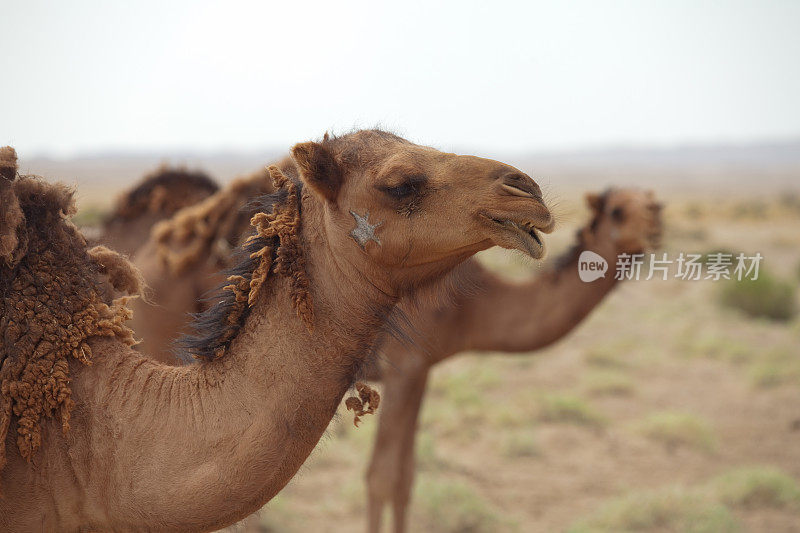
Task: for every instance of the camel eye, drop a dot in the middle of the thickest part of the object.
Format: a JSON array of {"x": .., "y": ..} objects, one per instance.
[
  {"x": 403, "y": 190},
  {"x": 618, "y": 215},
  {"x": 411, "y": 186}
]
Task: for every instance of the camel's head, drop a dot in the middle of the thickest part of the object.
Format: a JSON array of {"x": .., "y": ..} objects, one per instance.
[
  {"x": 411, "y": 211},
  {"x": 630, "y": 218}
]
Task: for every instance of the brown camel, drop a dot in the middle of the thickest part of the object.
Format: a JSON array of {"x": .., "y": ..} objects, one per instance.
[
  {"x": 366, "y": 219},
  {"x": 184, "y": 255},
  {"x": 158, "y": 196},
  {"x": 497, "y": 316}
]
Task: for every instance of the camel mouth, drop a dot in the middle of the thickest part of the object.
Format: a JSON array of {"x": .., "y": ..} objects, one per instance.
[{"x": 518, "y": 234}]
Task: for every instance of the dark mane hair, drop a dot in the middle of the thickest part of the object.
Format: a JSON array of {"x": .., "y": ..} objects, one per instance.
[
  {"x": 273, "y": 248},
  {"x": 172, "y": 179}
]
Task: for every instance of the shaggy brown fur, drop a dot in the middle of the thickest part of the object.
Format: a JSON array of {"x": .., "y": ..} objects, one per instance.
[
  {"x": 123, "y": 276},
  {"x": 366, "y": 403},
  {"x": 163, "y": 192},
  {"x": 274, "y": 247},
  {"x": 10, "y": 213},
  {"x": 283, "y": 225},
  {"x": 208, "y": 231},
  {"x": 51, "y": 306},
  {"x": 8, "y": 163}
]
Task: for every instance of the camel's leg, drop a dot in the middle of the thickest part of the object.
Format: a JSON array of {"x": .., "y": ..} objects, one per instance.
[
  {"x": 390, "y": 475},
  {"x": 407, "y": 463}
]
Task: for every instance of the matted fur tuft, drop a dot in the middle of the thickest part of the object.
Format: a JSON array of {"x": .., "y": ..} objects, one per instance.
[
  {"x": 366, "y": 403},
  {"x": 8, "y": 163},
  {"x": 52, "y": 301},
  {"x": 209, "y": 230},
  {"x": 275, "y": 248},
  {"x": 165, "y": 191},
  {"x": 121, "y": 273},
  {"x": 11, "y": 216}
]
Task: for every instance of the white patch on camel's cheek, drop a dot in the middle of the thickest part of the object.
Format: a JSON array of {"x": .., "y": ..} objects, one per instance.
[{"x": 364, "y": 231}]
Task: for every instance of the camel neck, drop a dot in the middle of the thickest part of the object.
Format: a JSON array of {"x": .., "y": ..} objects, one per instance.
[
  {"x": 229, "y": 434},
  {"x": 518, "y": 317}
]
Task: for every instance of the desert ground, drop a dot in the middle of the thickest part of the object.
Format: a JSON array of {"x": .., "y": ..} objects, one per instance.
[{"x": 664, "y": 411}]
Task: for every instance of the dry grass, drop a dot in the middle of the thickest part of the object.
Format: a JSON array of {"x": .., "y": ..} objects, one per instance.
[
  {"x": 757, "y": 487},
  {"x": 717, "y": 345},
  {"x": 668, "y": 510},
  {"x": 764, "y": 297},
  {"x": 674, "y": 429},
  {"x": 455, "y": 507},
  {"x": 707, "y": 507},
  {"x": 775, "y": 367},
  {"x": 608, "y": 383},
  {"x": 570, "y": 409},
  {"x": 521, "y": 444},
  {"x": 611, "y": 355}
]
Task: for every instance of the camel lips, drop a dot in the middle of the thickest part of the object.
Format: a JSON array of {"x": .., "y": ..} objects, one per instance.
[{"x": 524, "y": 227}]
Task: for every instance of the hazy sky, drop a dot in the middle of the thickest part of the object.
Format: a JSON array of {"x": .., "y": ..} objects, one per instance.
[{"x": 83, "y": 76}]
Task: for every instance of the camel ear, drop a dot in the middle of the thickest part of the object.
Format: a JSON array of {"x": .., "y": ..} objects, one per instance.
[
  {"x": 318, "y": 169},
  {"x": 594, "y": 201}
]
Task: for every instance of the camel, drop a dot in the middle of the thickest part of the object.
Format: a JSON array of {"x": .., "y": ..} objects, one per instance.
[
  {"x": 183, "y": 258},
  {"x": 496, "y": 316},
  {"x": 360, "y": 222},
  {"x": 158, "y": 196}
]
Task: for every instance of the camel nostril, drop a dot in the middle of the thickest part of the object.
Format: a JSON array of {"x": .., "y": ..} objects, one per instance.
[{"x": 517, "y": 181}]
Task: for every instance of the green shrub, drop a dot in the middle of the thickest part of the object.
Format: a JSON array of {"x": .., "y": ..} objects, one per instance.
[
  {"x": 679, "y": 429},
  {"x": 757, "y": 487},
  {"x": 611, "y": 354},
  {"x": 452, "y": 506},
  {"x": 767, "y": 374},
  {"x": 766, "y": 297},
  {"x": 521, "y": 444},
  {"x": 569, "y": 409},
  {"x": 467, "y": 385},
  {"x": 667, "y": 510},
  {"x": 608, "y": 383},
  {"x": 715, "y": 345}
]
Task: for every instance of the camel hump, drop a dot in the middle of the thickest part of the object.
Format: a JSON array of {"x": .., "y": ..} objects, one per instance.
[{"x": 164, "y": 191}]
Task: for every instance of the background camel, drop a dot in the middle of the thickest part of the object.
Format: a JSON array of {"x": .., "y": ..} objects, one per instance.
[
  {"x": 158, "y": 196},
  {"x": 183, "y": 257},
  {"x": 152, "y": 446},
  {"x": 497, "y": 315}
]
